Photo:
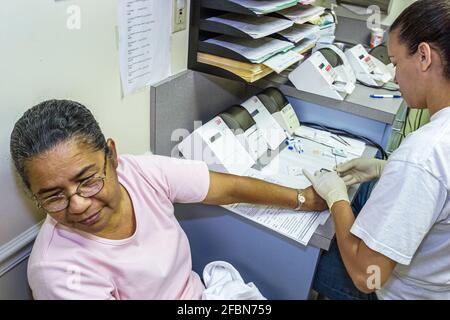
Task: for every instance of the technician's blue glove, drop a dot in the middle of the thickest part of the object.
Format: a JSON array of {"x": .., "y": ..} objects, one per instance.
[{"x": 329, "y": 186}]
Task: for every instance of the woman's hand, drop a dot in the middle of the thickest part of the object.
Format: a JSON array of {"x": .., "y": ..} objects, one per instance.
[
  {"x": 313, "y": 201},
  {"x": 360, "y": 170},
  {"x": 329, "y": 186}
]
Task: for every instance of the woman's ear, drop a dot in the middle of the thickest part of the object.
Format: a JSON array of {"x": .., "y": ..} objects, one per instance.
[
  {"x": 425, "y": 55},
  {"x": 112, "y": 152}
]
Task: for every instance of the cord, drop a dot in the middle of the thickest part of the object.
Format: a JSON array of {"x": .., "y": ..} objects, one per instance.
[
  {"x": 416, "y": 124},
  {"x": 348, "y": 134},
  {"x": 409, "y": 121},
  {"x": 420, "y": 118},
  {"x": 406, "y": 122}
]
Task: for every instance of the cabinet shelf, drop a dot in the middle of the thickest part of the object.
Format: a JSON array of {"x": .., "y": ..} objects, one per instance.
[{"x": 202, "y": 29}]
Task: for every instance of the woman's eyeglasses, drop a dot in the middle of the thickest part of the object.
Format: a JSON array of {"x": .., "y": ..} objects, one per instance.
[{"x": 86, "y": 189}]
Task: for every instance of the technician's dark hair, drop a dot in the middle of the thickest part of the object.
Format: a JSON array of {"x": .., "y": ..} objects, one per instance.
[
  {"x": 426, "y": 21},
  {"x": 48, "y": 124}
]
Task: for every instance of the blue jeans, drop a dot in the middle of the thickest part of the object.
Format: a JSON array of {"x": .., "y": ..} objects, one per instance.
[{"x": 331, "y": 279}]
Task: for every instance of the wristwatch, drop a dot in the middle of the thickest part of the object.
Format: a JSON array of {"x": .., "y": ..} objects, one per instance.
[{"x": 300, "y": 199}]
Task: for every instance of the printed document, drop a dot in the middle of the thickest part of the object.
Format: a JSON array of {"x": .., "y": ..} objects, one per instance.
[
  {"x": 256, "y": 51},
  {"x": 256, "y": 27},
  {"x": 144, "y": 42},
  {"x": 282, "y": 61},
  {"x": 265, "y": 6}
]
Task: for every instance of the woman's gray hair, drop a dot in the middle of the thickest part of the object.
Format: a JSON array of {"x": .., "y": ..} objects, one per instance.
[{"x": 48, "y": 124}]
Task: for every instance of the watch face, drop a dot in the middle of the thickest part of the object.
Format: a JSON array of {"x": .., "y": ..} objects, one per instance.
[{"x": 302, "y": 199}]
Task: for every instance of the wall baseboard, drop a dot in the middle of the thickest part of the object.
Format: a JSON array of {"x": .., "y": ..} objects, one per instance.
[{"x": 18, "y": 249}]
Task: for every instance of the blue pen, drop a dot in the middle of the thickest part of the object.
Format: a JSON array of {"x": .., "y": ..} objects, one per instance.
[{"x": 383, "y": 96}]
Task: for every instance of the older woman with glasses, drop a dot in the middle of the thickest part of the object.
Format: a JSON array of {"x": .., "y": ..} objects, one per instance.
[{"x": 110, "y": 230}]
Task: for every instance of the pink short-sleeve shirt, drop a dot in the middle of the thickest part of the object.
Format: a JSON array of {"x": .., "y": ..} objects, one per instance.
[{"x": 154, "y": 263}]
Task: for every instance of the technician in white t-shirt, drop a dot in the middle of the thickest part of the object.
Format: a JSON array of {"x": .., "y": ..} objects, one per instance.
[{"x": 399, "y": 245}]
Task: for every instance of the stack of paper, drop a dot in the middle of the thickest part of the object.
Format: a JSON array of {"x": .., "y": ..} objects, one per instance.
[
  {"x": 256, "y": 27},
  {"x": 282, "y": 61},
  {"x": 327, "y": 28},
  {"x": 300, "y": 31},
  {"x": 265, "y": 6},
  {"x": 305, "y": 45},
  {"x": 255, "y": 51},
  {"x": 250, "y": 72},
  {"x": 301, "y": 14}
]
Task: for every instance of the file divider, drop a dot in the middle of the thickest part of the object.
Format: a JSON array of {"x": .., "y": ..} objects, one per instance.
[
  {"x": 217, "y": 27},
  {"x": 217, "y": 50},
  {"x": 229, "y": 6}
]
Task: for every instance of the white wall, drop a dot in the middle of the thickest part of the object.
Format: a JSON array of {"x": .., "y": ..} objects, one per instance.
[
  {"x": 41, "y": 59},
  {"x": 397, "y": 7}
]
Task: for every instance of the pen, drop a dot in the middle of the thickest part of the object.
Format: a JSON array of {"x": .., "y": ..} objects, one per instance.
[{"x": 383, "y": 96}]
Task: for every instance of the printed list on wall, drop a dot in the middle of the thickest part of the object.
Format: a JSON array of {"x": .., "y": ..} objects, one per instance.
[{"x": 144, "y": 42}]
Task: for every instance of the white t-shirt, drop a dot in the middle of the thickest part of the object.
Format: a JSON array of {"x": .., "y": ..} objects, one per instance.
[{"x": 407, "y": 216}]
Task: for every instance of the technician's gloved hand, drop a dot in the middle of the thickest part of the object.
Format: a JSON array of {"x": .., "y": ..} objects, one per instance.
[
  {"x": 360, "y": 170},
  {"x": 329, "y": 186}
]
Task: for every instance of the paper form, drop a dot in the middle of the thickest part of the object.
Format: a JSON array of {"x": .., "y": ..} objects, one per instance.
[
  {"x": 301, "y": 14},
  {"x": 256, "y": 51},
  {"x": 297, "y": 225},
  {"x": 305, "y": 45},
  {"x": 282, "y": 61},
  {"x": 265, "y": 6},
  {"x": 286, "y": 168},
  {"x": 352, "y": 146},
  {"x": 144, "y": 42},
  {"x": 256, "y": 27},
  {"x": 299, "y": 32}
]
